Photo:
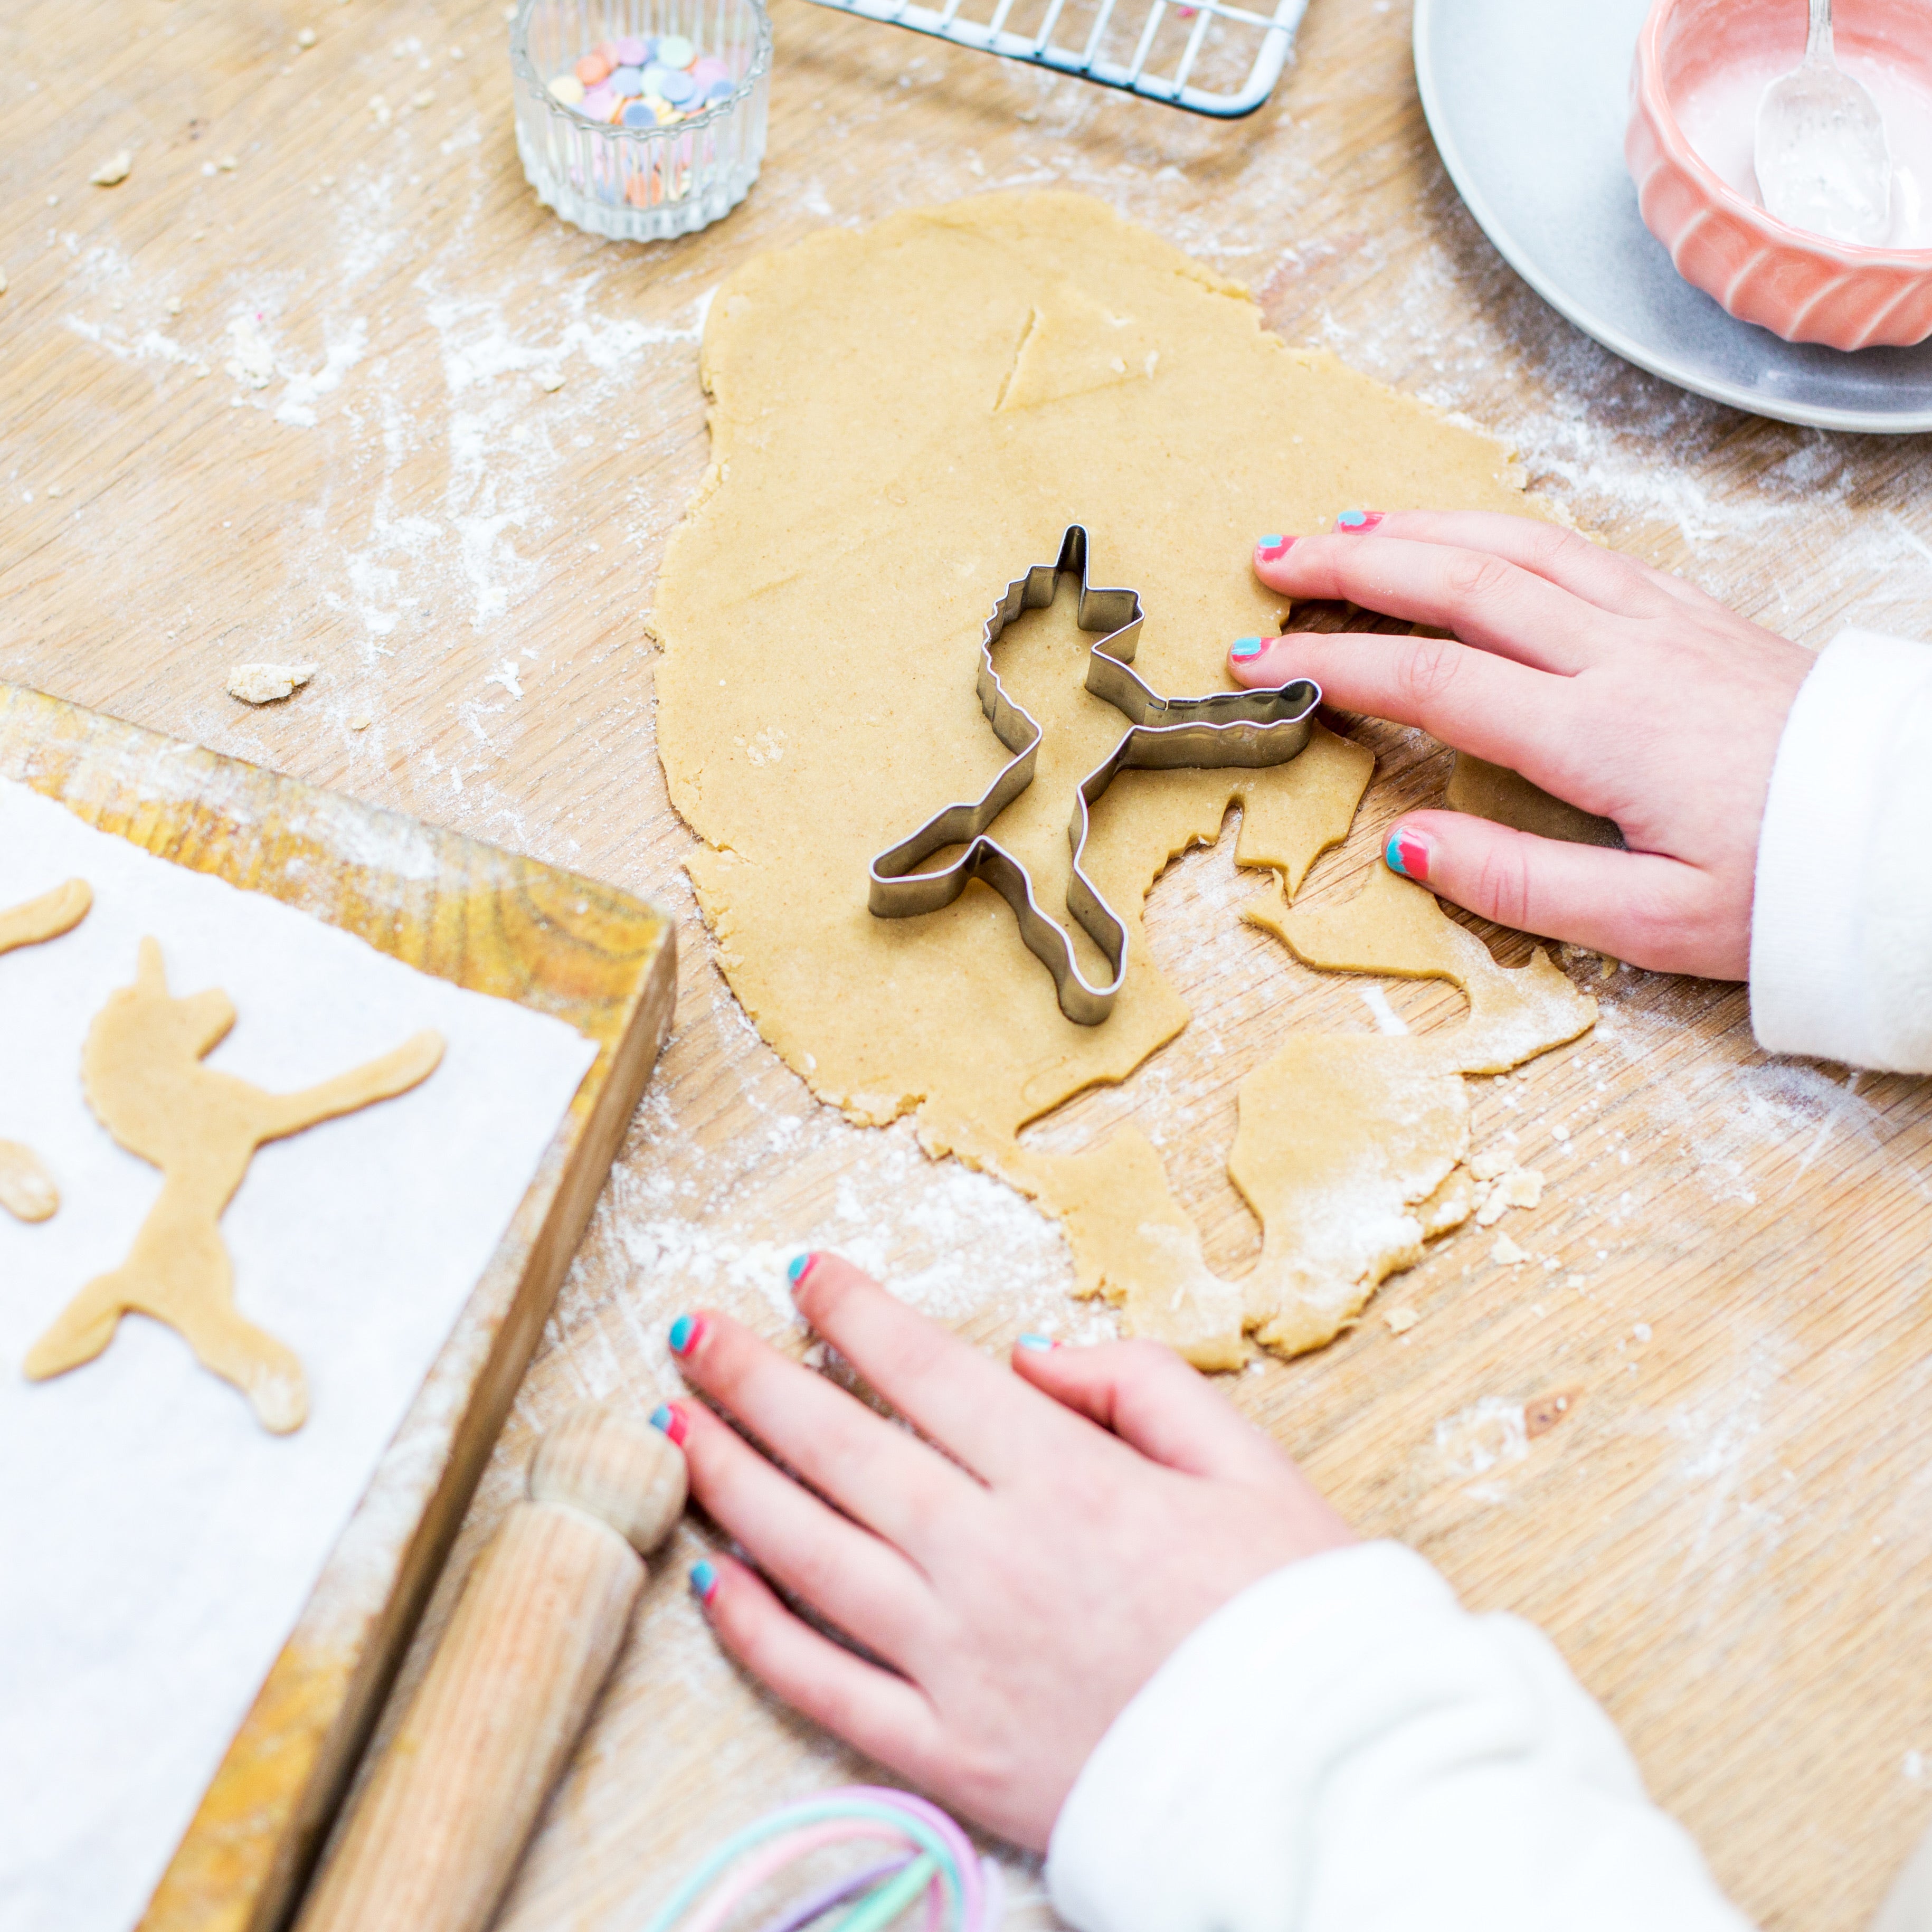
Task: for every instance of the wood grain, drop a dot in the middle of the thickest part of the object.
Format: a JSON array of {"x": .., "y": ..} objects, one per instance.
[
  {"x": 482, "y": 918},
  {"x": 1727, "y": 1529}
]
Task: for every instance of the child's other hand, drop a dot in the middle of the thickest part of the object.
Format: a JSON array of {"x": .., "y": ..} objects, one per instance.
[
  {"x": 1019, "y": 1581},
  {"x": 1621, "y": 690}
]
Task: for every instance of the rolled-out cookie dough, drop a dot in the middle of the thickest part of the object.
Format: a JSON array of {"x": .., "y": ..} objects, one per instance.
[
  {"x": 1348, "y": 1145},
  {"x": 902, "y": 420}
]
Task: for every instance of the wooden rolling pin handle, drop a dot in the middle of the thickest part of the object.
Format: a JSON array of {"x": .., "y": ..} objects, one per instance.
[{"x": 434, "y": 1839}]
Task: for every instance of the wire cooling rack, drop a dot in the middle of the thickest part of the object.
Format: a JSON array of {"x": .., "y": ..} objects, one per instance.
[{"x": 1211, "y": 57}]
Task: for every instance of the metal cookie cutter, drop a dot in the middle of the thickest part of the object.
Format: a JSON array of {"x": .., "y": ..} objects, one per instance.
[{"x": 1243, "y": 728}]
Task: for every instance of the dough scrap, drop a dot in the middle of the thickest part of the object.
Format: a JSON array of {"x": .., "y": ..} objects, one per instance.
[
  {"x": 1514, "y": 1187},
  {"x": 902, "y": 420},
  {"x": 47, "y": 917},
  {"x": 1134, "y": 1245},
  {"x": 1485, "y": 790},
  {"x": 27, "y": 1190},
  {"x": 141, "y": 1071},
  {"x": 267, "y": 683},
  {"x": 1394, "y": 926}
]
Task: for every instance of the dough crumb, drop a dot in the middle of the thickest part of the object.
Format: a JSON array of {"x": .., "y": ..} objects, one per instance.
[
  {"x": 1517, "y": 1187},
  {"x": 1506, "y": 1253},
  {"x": 1401, "y": 1320},
  {"x": 306, "y": 38},
  {"x": 549, "y": 380},
  {"x": 265, "y": 683},
  {"x": 1521, "y": 1187},
  {"x": 27, "y": 1191},
  {"x": 1559, "y": 1132},
  {"x": 379, "y": 110},
  {"x": 1491, "y": 1161},
  {"x": 114, "y": 170},
  {"x": 361, "y": 723}
]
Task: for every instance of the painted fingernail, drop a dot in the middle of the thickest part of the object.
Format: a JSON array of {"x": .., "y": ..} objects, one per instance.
[
  {"x": 703, "y": 1581},
  {"x": 686, "y": 1332},
  {"x": 1407, "y": 853},
  {"x": 798, "y": 1267},
  {"x": 1269, "y": 548},
  {"x": 1358, "y": 521},
  {"x": 670, "y": 1418},
  {"x": 1038, "y": 1344},
  {"x": 1246, "y": 647}
]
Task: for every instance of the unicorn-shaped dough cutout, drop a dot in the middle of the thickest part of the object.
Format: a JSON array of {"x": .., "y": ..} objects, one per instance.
[
  {"x": 27, "y": 1190},
  {"x": 142, "y": 1073}
]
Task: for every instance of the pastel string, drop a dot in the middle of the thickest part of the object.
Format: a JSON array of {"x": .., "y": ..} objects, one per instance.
[{"x": 931, "y": 1855}]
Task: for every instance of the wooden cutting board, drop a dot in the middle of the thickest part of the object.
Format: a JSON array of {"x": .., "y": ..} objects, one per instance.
[{"x": 482, "y": 918}]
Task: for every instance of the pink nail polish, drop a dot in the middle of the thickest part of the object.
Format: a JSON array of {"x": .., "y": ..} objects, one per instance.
[
  {"x": 1407, "y": 853},
  {"x": 1271, "y": 550}
]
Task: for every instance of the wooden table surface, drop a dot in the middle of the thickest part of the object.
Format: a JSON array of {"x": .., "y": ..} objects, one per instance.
[{"x": 1728, "y": 1531}]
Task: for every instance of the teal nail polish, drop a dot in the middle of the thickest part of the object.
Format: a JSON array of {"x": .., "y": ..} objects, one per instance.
[
  {"x": 1271, "y": 543},
  {"x": 798, "y": 1267},
  {"x": 1351, "y": 520},
  {"x": 703, "y": 1581},
  {"x": 1408, "y": 854},
  {"x": 684, "y": 1332},
  {"x": 1246, "y": 647},
  {"x": 1038, "y": 1344},
  {"x": 669, "y": 1419}
]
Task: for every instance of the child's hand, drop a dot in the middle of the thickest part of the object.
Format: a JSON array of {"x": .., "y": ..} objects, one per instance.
[
  {"x": 1621, "y": 690},
  {"x": 1017, "y": 1583}
]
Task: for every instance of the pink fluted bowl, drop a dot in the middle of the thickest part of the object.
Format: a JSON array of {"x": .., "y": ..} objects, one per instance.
[{"x": 1799, "y": 286}]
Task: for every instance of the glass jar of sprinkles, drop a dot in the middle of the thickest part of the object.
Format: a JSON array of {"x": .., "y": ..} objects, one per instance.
[{"x": 641, "y": 119}]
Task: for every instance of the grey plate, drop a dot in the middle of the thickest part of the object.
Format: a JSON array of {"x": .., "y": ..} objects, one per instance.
[{"x": 1527, "y": 100}]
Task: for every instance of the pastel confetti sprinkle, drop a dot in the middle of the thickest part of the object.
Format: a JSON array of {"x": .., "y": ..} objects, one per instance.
[{"x": 638, "y": 82}]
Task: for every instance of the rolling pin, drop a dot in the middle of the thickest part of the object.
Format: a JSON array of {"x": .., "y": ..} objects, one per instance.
[{"x": 434, "y": 1838}]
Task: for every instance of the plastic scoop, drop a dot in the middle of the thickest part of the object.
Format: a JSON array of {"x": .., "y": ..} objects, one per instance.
[{"x": 1823, "y": 160}]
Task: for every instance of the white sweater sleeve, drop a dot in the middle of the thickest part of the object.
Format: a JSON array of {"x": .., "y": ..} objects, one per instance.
[
  {"x": 1344, "y": 1748},
  {"x": 1841, "y": 923}
]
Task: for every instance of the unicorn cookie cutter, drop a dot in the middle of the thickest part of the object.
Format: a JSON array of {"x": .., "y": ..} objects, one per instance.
[{"x": 1232, "y": 728}]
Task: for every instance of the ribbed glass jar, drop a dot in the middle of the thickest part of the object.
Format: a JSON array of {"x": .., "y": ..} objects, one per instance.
[{"x": 641, "y": 184}]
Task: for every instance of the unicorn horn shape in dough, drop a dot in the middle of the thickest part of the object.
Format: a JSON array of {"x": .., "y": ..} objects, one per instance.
[{"x": 142, "y": 1073}]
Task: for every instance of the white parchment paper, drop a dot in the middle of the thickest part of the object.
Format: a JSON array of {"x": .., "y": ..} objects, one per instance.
[{"x": 156, "y": 1544}]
